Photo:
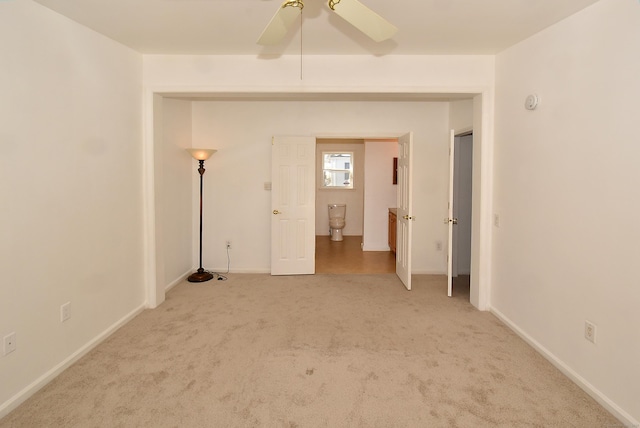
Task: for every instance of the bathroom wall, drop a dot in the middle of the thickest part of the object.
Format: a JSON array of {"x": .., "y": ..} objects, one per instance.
[
  {"x": 379, "y": 192},
  {"x": 353, "y": 198}
]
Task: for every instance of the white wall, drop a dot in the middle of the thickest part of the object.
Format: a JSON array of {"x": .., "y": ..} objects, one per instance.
[
  {"x": 380, "y": 193},
  {"x": 566, "y": 189},
  {"x": 223, "y": 73},
  {"x": 71, "y": 191},
  {"x": 353, "y": 198},
  {"x": 461, "y": 115},
  {"x": 238, "y": 205},
  {"x": 174, "y": 175}
]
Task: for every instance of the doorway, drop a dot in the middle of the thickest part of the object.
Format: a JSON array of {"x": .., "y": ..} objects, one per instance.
[
  {"x": 462, "y": 210},
  {"x": 364, "y": 248}
]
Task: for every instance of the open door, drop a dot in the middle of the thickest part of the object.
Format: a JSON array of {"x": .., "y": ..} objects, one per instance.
[
  {"x": 405, "y": 215},
  {"x": 293, "y": 205},
  {"x": 450, "y": 220}
]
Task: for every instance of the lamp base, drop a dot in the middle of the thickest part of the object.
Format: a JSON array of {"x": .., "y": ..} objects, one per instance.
[{"x": 200, "y": 276}]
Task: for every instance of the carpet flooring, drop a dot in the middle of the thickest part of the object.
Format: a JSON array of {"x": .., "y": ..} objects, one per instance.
[{"x": 312, "y": 351}]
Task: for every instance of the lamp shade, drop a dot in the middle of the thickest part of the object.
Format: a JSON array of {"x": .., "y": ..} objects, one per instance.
[{"x": 201, "y": 154}]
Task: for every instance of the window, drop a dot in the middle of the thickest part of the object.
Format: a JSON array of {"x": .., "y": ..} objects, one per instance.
[{"x": 337, "y": 170}]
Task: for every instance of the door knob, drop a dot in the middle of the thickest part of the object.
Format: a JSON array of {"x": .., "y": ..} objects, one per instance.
[
  {"x": 408, "y": 217},
  {"x": 276, "y": 212}
]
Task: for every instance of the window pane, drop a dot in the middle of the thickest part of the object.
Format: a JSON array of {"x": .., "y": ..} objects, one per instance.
[
  {"x": 337, "y": 179},
  {"x": 337, "y": 169}
]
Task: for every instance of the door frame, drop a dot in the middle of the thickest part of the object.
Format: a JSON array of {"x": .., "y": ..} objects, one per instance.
[
  {"x": 483, "y": 103},
  {"x": 456, "y": 193},
  {"x": 452, "y": 206},
  {"x": 387, "y": 137}
]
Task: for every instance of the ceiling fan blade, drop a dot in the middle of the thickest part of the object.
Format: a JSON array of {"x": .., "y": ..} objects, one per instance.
[
  {"x": 281, "y": 22},
  {"x": 364, "y": 19}
]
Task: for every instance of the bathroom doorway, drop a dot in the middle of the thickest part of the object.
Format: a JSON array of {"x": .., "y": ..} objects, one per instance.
[{"x": 365, "y": 247}]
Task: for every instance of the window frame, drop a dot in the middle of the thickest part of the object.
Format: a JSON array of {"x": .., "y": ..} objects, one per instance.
[{"x": 350, "y": 170}]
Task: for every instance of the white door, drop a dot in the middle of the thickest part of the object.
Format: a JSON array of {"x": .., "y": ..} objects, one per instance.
[
  {"x": 405, "y": 215},
  {"x": 293, "y": 220},
  {"x": 450, "y": 220}
]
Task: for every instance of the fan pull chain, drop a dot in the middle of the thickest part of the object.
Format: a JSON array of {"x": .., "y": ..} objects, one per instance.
[{"x": 300, "y": 44}]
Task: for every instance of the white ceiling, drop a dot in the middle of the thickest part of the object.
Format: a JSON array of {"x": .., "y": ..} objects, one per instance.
[{"x": 233, "y": 26}]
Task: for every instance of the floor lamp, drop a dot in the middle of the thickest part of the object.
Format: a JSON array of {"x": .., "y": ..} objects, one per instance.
[{"x": 200, "y": 155}]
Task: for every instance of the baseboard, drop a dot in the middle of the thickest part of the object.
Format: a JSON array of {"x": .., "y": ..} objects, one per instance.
[
  {"x": 427, "y": 272},
  {"x": 36, "y": 385},
  {"x": 223, "y": 271},
  {"x": 179, "y": 280},
  {"x": 597, "y": 395},
  {"x": 383, "y": 248}
]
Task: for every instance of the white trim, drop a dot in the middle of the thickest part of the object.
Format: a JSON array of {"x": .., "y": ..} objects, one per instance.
[
  {"x": 597, "y": 395},
  {"x": 374, "y": 248},
  {"x": 430, "y": 272},
  {"x": 395, "y": 93},
  {"x": 483, "y": 139},
  {"x": 463, "y": 131},
  {"x": 148, "y": 197},
  {"x": 179, "y": 279},
  {"x": 47, "y": 377},
  {"x": 223, "y": 271}
]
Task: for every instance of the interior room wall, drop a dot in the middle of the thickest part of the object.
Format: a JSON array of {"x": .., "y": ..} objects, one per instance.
[
  {"x": 359, "y": 73},
  {"x": 566, "y": 178},
  {"x": 461, "y": 115},
  {"x": 242, "y": 131},
  {"x": 353, "y": 198},
  {"x": 174, "y": 176},
  {"x": 380, "y": 193},
  {"x": 71, "y": 191}
]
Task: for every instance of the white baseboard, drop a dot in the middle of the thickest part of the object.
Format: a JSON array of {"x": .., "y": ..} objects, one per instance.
[
  {"x": 373, "y": 248},
  {"x": 597, "y": 395},
  {"x": 179, "y": 280},
  {"x": 223, "y": 271},
  {"x": 31, "y": 389}
]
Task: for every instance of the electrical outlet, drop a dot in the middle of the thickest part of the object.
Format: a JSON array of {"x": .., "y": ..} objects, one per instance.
[
  {"x": 228, "y": 245},
  {"x": 590, "y": 331},
  {"x": 9, "y": 343},
  {"x": 65, "y": 312}
]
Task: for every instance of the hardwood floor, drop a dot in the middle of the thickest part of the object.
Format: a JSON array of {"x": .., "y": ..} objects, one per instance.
[{"x": 346, "y": 256}]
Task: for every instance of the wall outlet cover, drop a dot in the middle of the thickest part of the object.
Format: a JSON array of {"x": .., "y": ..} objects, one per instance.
[{"x": 9, "y": 343}]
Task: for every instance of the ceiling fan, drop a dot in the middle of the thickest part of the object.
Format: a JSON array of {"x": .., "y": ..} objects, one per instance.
[{"x": 352, "y": 11}]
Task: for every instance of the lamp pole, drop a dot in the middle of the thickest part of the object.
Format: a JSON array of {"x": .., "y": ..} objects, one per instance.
[{"x": 200, "y": 155}]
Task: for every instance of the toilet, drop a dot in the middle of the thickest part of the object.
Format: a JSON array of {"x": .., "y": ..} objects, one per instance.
[{"x": 336, "y": 220}]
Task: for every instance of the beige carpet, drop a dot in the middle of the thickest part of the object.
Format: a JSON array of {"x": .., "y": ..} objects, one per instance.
[{"x": 312, "y": 351}]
